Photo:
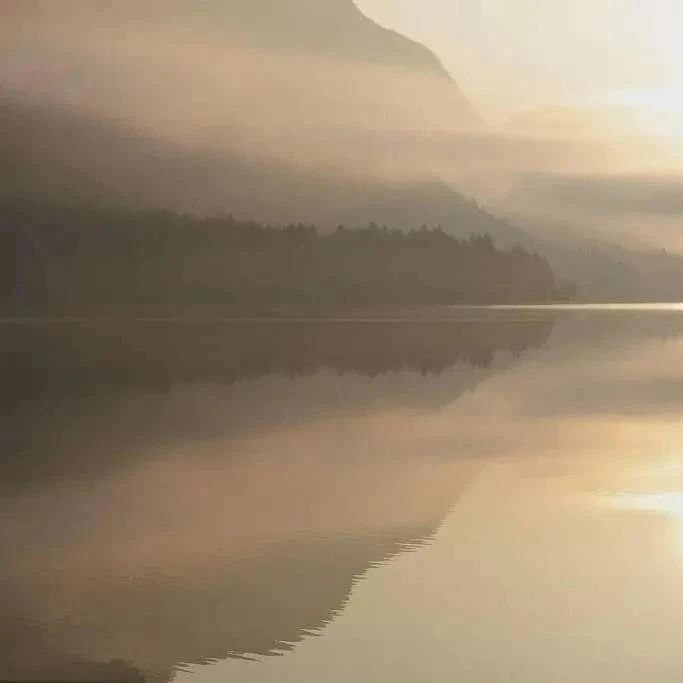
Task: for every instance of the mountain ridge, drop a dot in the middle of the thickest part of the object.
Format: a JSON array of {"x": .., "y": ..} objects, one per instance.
[{"x": 60, "y": 155}]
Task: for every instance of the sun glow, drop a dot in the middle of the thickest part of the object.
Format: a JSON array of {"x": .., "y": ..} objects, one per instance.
[
  {"x": 655, "y": 112},
  {"x": 668, "y": 503}
]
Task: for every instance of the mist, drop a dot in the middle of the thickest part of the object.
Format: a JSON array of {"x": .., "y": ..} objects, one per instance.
[{"x": 334, "y": 109}]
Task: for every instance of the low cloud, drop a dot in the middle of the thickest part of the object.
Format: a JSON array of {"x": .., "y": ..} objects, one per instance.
[
  {"x": 207, "y": 92},
  {"x": 610, "y": 194}
]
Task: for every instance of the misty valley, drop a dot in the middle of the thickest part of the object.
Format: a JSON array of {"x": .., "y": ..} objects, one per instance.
[{"x": 340, "y": 340}]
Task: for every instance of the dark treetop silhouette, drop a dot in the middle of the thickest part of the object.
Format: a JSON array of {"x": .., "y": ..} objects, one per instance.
[{"x": 61, "y": 257}]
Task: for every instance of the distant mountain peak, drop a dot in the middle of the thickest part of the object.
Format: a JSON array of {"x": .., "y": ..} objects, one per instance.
[
  {"x": 323, "y": 26},
  {"x": 332, "y": 28},
  {"x": 329, "y": 29}
]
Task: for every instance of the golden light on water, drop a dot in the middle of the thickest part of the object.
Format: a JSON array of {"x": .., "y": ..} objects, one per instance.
[{"x": 668, "y": 503}]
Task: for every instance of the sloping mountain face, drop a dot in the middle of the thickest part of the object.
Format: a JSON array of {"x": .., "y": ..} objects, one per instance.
[
  {"x": 61, "y": 156},
  {"x": 277, "y": 111},
  {"x": 281, "y": 111},
  {"x": 600, "y": 271},
  {"x": 335, "y": 32},
  {"x": 323, "y": 27}
]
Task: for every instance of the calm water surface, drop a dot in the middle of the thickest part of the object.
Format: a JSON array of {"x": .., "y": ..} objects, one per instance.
[{"x": 457, "y": 500}]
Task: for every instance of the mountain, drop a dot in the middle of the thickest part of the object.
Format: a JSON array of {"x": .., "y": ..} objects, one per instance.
[
  {"x": 322, "y": 27},
  {"x": 57, "y": 154},
  {"x": 327, "y": 31},
  {"x": 598, "y": 268},
  {"x": 280, "y": 112}
]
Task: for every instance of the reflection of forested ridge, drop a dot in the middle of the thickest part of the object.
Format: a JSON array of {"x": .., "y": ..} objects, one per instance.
[
  {"x": 64, "y": 358},
  {"x": 251, "y": 608},
  {"x": 94, "y": 397},
  {"x": 64, "y": 257}
]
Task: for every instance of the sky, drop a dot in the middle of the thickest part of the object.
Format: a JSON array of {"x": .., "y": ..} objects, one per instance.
[
  {"x": 608, "y": 70},
  {"x": 529, "y": 54}
]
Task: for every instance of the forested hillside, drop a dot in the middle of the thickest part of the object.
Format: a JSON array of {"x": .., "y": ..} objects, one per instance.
[{"x": 56, "y": 256}]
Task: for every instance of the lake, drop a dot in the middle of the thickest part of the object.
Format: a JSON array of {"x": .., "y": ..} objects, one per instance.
[{"x": 480, "y": 495}]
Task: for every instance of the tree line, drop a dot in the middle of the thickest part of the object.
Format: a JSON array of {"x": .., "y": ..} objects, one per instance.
[{"x": 60, "y": 256}]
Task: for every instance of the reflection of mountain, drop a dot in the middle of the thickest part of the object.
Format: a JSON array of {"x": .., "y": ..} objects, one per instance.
[
  {"x": 252, "y": 608},
  {"x": 71, "y": 390},
  {"x": 211, "y": 550},
  {"x": 68, "y": 358},
  {"x": 172, "y": 494}
]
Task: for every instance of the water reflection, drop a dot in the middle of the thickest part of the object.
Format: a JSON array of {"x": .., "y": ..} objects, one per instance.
[
  {"x": 669, "y": 502},
  {"x": 181, "y": 494},
  {"x": 71, "y": 391},
  {"x": 666, "y": 504},
  {"x": 539, "y": 574},
  {"x": 189, "y": 504}
]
